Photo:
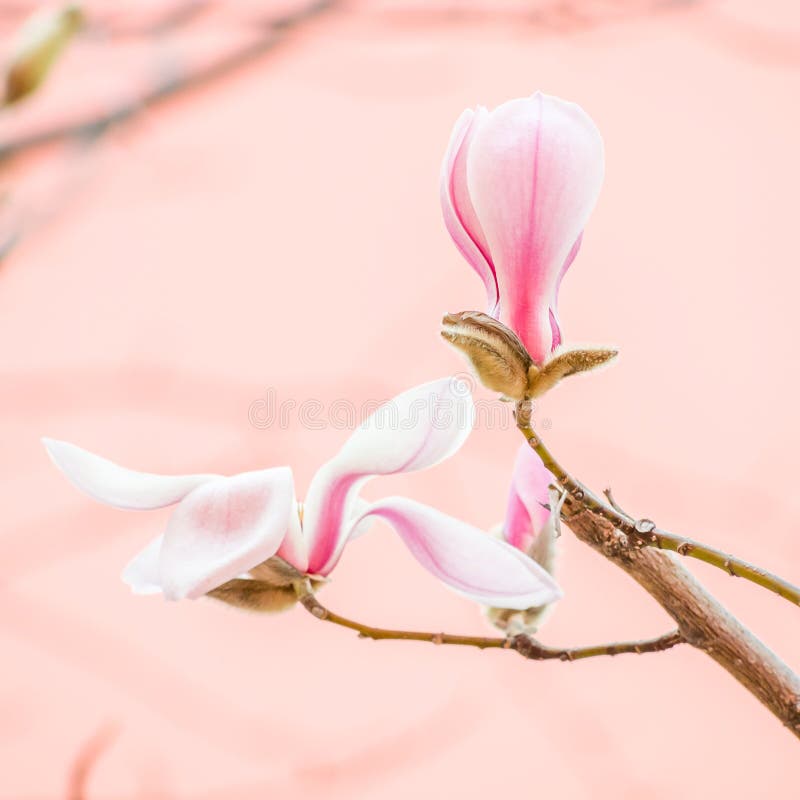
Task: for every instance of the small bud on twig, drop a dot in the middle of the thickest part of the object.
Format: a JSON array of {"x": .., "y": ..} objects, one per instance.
[
  {"x": 39, "y": 43},
  {"x": 543, "y": 550}
]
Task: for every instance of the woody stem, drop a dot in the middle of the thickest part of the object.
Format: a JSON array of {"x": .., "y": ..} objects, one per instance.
[
  {"x": 644, "y": 532},
  {"x": 523, "y": 644},
  {"x": 702, "y": 621}
]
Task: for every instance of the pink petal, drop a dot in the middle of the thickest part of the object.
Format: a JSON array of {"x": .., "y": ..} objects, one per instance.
[
  {"x": 527, "y": 515},
  {"x": 224, "y": 528},
  {"x": 466, "y": 558},
  {"x": 141, "y": 574},
  {"x": 534, "y": 171},
  {"x": 459, "y": 214},
  {"x": 416, "y": 430},
  {"x": 117, "y": 486}
]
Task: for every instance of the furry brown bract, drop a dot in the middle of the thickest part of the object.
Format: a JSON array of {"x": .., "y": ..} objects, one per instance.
[
  {"x": 567, "y": 362},
  {"x": 270, "y": 587},
  {"x": 496, "y": 353},
  {"x": 276, "y": 572},
  {"x": 254, "y": 595},
  {"x": 503, "y": 364}
]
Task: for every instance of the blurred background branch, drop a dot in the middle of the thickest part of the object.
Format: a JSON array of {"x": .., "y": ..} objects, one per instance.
[
  {"x": 179, "y": 64},
  {"x": 88, "y": 756},
  {"x": 78, "y": 85}
]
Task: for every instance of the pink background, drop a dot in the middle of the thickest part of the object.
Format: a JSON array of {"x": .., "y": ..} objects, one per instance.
[{"x": 281, "y": 229}]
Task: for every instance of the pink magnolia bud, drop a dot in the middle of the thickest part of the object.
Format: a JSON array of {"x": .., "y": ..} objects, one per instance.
[
  {"x": 518, "y": 185},
  {"x": 532, "y": 525}
]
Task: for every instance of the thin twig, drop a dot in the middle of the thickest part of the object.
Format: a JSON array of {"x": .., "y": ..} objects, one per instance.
[
  {"x": 644, "y": 532},
  {"x": 523, "y": 644},
  {"x": 614, "y": 504}
]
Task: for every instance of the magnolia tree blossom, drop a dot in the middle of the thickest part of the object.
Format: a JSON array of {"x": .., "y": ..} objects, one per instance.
[
  {"x": 225, "y": 527},
  {"x": 517, "y": 187}
]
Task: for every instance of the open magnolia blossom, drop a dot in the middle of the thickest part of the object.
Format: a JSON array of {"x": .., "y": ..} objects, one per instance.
[
  {"x": 251, "y": 526},
  {"x": 532, "y": 525},
  {"x": 517, "y": 187}
]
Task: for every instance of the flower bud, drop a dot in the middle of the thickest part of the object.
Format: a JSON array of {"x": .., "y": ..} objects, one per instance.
[
  {"x": 518, "y": 184},
  {"x": 496, "y": 353},
  {"x": 532, "y": 525},
  {"x": 39, "y": 43}
]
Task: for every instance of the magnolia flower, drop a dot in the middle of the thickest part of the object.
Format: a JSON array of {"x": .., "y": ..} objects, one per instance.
[
  {"x": 532, "y": 526},
  {"x": 251, "y": 525},
  {"x": 517, "y": 187}
]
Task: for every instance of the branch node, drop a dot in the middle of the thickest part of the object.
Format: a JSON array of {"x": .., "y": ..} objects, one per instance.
[{"x": 644, "y": 526}]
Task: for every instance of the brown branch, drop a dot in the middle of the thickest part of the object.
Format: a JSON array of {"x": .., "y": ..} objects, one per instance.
[
  {"x": 523, "y": 644},
  {"x": 702, "y": 621},
  {"x": 644, "y": 532}
]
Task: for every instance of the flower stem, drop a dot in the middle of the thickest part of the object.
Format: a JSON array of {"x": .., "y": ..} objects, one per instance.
[
  {"x": 644, "y": 532},
  {"x": 523, "y": 644}
]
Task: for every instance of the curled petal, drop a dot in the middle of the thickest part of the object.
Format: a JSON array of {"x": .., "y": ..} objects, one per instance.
[
  {"x": 224, "y": 528},
  {"x": 465, "y": 558},
  {"x": 416, "y": 430},
  {"x": 527, "y": 512},
  {"x": 534, "y": 170},
  {"x": 459, "y": 214},
  {"x": 117, "y": 486}
]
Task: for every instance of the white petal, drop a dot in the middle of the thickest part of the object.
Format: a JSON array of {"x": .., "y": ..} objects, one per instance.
[
  {"x": 117, "y": 486},
  {"x": 224, "y": 528},
  {"x": 141, "y": 574}
]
